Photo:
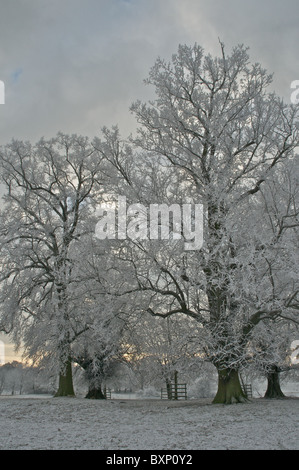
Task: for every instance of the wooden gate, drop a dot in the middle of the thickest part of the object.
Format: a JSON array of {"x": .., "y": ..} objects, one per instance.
[
  {"x": 247, "y": 389},
  {"x": 174, "y": 392}
]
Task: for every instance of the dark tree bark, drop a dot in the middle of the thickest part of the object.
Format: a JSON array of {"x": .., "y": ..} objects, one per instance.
[
  {"x": 95, "y": 394},
  {"x": 65, "y": 386},
  {"x": 229, "y": 387},
  {"x": 273, "y": 388},
  {"x": 169, "y": 389},
  {"x": 93, "y": 376}
]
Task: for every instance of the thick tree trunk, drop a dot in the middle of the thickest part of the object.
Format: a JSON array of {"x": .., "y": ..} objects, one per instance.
[
  {"x": 95, "y": 393},
  {"x": 229, "y": 387},
  {"x": 65, "y": 386},
  {"x": 93, "y": 376},
  {"x": 273, "y": 388}
]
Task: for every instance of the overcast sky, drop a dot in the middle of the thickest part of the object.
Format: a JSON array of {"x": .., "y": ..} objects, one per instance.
[{"x": 77, "y": 65}]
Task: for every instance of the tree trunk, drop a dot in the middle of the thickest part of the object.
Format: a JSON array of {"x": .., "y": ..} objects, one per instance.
[
  {"x": 229, "y": 387},
  {"x": 65, "y": 387},
  {"x": 169, "y": 389},
  {"x": 273, "y": 388},
  {"x": 95, "y": 393},
  {"x": 176, "y": 385}
]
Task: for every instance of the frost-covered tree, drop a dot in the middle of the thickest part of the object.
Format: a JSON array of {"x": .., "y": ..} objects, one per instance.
[
  {"x": 274, "y": 271},
  {"x": 50, "y": 190},
  {"x": 270, "y": 352},
  {"x": 224, "y": 135},
  {"x": 100, "y": 312}
]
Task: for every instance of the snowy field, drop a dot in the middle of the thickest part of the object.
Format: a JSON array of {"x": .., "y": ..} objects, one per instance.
[{"x": 77, "y": 423}]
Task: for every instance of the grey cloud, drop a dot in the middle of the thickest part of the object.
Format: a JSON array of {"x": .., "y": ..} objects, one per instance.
[{"x": 83, "y": 63}]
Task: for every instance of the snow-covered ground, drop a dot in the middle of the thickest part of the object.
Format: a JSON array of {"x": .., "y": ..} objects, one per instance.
[{"x": 78, "y": 423}]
